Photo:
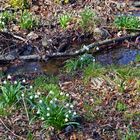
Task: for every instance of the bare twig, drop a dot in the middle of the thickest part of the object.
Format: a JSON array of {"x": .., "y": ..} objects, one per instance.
[
  {"x": 96, "y": 46},
  {"x": 25, "y": 109},
  {"x": 21, "y": 138},
  {"x": 12, "y": 35}
]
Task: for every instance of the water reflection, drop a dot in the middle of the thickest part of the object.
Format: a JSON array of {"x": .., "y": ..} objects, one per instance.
[{"x": 118, "y": 56}]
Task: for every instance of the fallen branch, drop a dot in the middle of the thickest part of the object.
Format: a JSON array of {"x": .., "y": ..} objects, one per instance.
[
  {"x": 13, "y": 35},
  {"x": 83, "y": 50},
  {"x": 94, "y": 46}
]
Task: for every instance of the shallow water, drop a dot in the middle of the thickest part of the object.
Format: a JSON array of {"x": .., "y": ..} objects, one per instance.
[{"x": 117, "y": 56}]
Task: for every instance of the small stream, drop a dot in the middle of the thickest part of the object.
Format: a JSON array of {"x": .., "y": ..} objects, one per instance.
[{"x": 116, "y": 56}]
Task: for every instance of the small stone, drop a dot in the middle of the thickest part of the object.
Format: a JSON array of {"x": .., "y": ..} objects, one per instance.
[{"x": 32, "y": 36}]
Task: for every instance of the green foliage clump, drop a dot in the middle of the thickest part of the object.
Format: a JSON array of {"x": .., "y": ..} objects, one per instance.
[
  {"x": 75, "y": 64},
  {"x": 28, "y": 21},
  {"x": 5, "y": 18},
  {"x": 131, "y": 22},
  {"x": 64, "y": 20},
  {"x": 131, "y": 135},
  {"x": 21, "y": 4},
  {"x": 87, "y": 18},
  {"x": 120, "y": 106},
  {"x": 137, "y": 59},
  {"x": 10, "y": 93},
  {"x": 54, "y": 109},
  {"x": 55, "y": 112},
  {"x": 93, "y": 70}
]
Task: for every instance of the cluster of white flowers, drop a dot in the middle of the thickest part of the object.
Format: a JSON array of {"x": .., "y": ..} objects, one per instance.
[{"x": 85, "y": 48}]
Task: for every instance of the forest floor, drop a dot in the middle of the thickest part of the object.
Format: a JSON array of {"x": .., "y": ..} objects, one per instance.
[{"x": 106, "y": 99}]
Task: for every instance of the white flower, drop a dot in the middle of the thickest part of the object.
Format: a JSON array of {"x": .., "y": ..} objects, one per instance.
[
  {"x": 22, "y": 95},
  {"x": 4, "y": 82},
  {"x": 48, "y": 108},
  {"x": 40, "y": 101},
  {"x": 38, "y": 93},
  {"x": 61, "y": 93},
  {"x": 66, "y": 120},
  {"x": 81, "y": 58},
  {"x": 36, "y": 96},
  {"x": 38, "y": 112},
  {"x": 42, "y": 118},
  {"x": 69, "y": 111},
  {"x": 51, "y": 102},
  {"x": 55, "y": 99},
  {"x": 15, "y": 82},
  {"x": 31, "y": 97},
  {"x": 85, "y": 48},
  {"x": 93, "y": 59},
  {"x": 97, "y": 48},
  {"x": 67, "y": 104},
  {"x": 51, "y": 92},
  {"x": 31, "y": 87},
  {"x": 23, "y": 80},
  {"x": 48, "y": 114},
  {"x": 67, "y": 116},
  {"x": 9, "y": 77},
  {"x": 67, "y": 95},
  {"x": 71, "y": 106},
  {"x": 76, "y": 51},
  {"x": 74, "y": 113}
]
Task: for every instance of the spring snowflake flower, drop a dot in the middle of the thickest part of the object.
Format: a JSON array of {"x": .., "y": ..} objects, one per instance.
[
  {"x": 97, "y": 48},
  {"x": 67, "y": 95},
  {"x": 61, "y": 93},
  {"x": 9, "y": 77},
  {"x": 36, "y": 96},
  {"x": 23, "y": 80},
  {"x": 81, "y": 58},
  {"x": 31, "y": 87},
  {"x": 85, "y": 48},
  {"x": 55, "y": 99},
  {"x": 93, "y": 59},
  {"x": 67, "y": 104},
  {"x": 4, "y": 82},
  {"x": 48, "y": 108},
  {"x": 38, "y": 93},
  {"x": 69, "y": 111},
  {"x": 74, "y": 113},
  {"x": 38, "y": 112},
  {"x": 66, "y": 120},
  {"x": 40, "y": 101},
  {"x": 22, "y": 95},
  {"x": 15, "y": 82},
  {"x": 31, "y": 97},
  {"x": 51, "y": 92},
  {"x": 51, "y": 102},
  {"x": 42, "y": 118},
  {"x": 71, "y": 106},
  {"x": 67, "y": 116},
  {"x": 48, "y": 114}
]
